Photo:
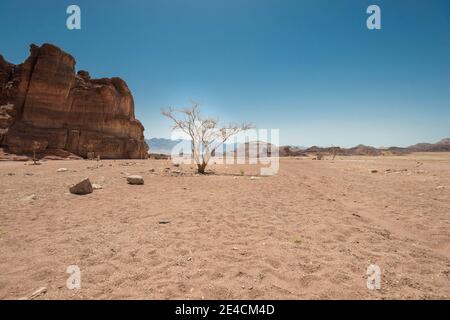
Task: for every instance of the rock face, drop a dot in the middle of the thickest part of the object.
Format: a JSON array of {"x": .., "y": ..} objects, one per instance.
[{"x": 46, "y": 106}]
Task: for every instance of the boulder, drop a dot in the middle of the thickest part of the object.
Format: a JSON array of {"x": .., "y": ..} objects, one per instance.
[
  {"x": 81, "y": 188},
  {"x": 96, "y": 186}
]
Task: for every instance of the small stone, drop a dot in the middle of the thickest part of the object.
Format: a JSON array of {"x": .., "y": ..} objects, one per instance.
[
  {"x": 135, "y": 180},
  {"x": 254, "y": 178},
  {"x": 373, "y": 171},
  {"x": 96, "y": 186},
  {"x": 439, "y": 187},
  {"x": 164, "y": 221},
  {"x": 62, "y": 170},
  {"x": 81, "y": 188}
]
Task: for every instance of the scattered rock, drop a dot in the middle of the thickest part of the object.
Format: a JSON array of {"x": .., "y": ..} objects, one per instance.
[
  {"x": 20, "y": 158},
  {"x": 96, "y": 186},
  {"x": 62, "y": 170},
  {"x": 135, "y": 180},
  {"x": 30, "y": 198},
  {"x": 35, "y": 294},
  {"x": 81, "y": 188}
]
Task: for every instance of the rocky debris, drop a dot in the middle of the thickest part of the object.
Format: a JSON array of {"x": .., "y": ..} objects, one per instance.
[
  {"x": 135, "y": 180},
  {"x": 62, "y": 170},
  {"x": 96, "y": 186},
  {"x": 81, "y": 188},
  {"x": 44, "y": 103}
]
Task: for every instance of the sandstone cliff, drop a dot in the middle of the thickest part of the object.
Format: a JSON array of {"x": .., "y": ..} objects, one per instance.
[{"x": 44, "y": 104}]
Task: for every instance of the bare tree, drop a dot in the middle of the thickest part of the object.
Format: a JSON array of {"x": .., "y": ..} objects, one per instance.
[
  {"x": 205, "y": 134},
  {"x": 36, "y": 145}
]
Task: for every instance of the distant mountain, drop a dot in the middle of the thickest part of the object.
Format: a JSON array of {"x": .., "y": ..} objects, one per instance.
[
  {"x": 362, "y": 150},
  {"x": 443, "y": 145},
  {"x": 165, "y": 146}
]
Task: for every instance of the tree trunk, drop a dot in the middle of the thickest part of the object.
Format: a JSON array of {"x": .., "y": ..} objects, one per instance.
[{"x": 201, "y": 168}]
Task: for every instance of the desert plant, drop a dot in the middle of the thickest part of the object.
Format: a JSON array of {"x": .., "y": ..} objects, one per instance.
[
  {"x": 35, "y": 147},
  {"x": 205, "y": 133}
]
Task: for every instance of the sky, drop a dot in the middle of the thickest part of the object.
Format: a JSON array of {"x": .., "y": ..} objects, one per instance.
[{"x": 311, "y": 68}]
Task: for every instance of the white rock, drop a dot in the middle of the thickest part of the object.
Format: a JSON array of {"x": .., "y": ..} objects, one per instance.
[
  {"x": 30, "y": 198},
  {"x": 135, "y": 179},
  {"x": 96, "y": 186},
  {"x": 62, "y": 170}
]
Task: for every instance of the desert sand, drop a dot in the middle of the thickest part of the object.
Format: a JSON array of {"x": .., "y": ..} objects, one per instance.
[{"x": 308, "y": 232}]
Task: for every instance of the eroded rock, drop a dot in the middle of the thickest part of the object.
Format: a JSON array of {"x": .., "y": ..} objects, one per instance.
[{"x": 44, "y": 102}]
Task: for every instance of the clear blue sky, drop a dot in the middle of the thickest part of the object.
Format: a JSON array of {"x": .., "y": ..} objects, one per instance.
[{"x": 310, "y": 68}]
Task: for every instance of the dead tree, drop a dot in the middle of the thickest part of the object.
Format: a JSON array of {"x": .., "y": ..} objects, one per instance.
[
  {"x": 35, "y": 147},
  {"x": 205, "y": 134}
]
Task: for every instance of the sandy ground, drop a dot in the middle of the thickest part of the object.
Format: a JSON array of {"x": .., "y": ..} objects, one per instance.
[{"x": 309, "y": 232}]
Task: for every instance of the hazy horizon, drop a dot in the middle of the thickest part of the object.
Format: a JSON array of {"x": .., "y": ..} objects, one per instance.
[
  {"x": 326, "y": 146},
  {"x": 311, "y": 69}
]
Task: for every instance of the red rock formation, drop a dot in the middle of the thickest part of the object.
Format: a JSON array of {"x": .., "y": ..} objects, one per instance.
[{"x": 45, "y": 105}]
